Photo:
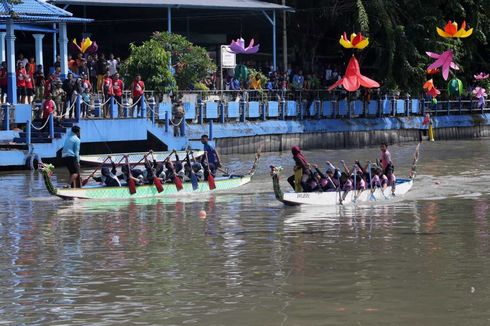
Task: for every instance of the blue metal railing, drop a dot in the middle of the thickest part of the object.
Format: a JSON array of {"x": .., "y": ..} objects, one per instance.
[{"x": 233, "y": 107}]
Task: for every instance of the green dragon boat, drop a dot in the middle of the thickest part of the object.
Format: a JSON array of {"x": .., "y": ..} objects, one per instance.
[{"x": 145, "y": 191}]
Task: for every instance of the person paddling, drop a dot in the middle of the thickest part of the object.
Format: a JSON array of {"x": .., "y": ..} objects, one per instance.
[
  {"x": 301, "y": 170},
  {"x": 108, "y": 177},
  {"x": 385, "y": 158},
  {"x": 213, "y": 157},
  {"x": 71, "y": 156}
]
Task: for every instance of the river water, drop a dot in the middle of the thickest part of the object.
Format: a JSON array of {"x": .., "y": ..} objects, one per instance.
[{"x": 423, "y": 259}]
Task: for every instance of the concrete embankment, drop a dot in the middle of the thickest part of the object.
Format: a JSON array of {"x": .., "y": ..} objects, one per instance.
[{"x": 339, "y": 133}]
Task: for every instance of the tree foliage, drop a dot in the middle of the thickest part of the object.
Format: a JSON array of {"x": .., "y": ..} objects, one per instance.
[
  {"x": 191, "y": 63},
  {"x": 151, "y": 61},
  {"x": 400, "y": 32}
]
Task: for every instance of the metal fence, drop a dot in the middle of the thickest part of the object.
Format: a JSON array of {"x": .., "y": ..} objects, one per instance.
[{"x": 249, "y": 105}]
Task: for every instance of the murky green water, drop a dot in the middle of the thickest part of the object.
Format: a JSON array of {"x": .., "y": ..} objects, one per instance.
[{"x": 421, "y": 260}]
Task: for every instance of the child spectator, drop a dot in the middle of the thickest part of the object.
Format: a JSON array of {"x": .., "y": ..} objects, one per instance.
[{"x": 58, "y": 95}]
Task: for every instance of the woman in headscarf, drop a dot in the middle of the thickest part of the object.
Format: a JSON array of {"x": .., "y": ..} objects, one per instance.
[{"x": 302, "y": 170}]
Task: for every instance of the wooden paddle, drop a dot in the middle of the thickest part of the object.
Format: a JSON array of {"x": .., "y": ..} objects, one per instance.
[
  {"x": 131, "y": 183},
  {"x": 177, "y": 180},
  {"x": 85, "y": 181},
  {"x": 156, "y": 180},
  {"x": 211, "y": 183}
]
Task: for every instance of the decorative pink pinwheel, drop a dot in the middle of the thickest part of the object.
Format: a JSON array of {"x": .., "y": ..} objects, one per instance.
[
  {"x": 238, "y": 47},
  {"x": 480, "y": 93},
  {"x": 443, "y": 60},
  {"x": 481, "y": 76}
]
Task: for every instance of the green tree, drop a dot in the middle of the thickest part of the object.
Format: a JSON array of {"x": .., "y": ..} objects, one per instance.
[
  {"x": 151, "y": 61},
  {"x": 399, "y": 31},
  {"x": 191, "y": 63}
]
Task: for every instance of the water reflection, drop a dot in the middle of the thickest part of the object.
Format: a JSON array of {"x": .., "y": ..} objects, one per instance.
[{"x": 250, "y": 261}]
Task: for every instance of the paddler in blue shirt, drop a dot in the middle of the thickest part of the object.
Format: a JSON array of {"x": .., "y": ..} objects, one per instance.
[
  {"x": 213, "y": 156},
  {"x": 71, "y": 156}
]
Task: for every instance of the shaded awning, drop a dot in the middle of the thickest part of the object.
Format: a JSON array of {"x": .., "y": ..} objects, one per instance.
[
  {"x": 30, "y": 28},
  {"x": 253, "y": 5}
]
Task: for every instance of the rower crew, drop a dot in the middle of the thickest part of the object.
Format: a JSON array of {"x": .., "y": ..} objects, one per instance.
[
  {"x": 385, "y": 158},
  {"x": 136, "y": 174},
  {"x": 108, "y": 177},
  {"x": 212, "y": 156},
  {"x": 301, "y": 170}
]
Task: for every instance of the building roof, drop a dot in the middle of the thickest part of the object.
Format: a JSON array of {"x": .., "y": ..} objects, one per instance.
[
  {"x": 195, "y": 4},
  {"x": 36, "y": 11}
]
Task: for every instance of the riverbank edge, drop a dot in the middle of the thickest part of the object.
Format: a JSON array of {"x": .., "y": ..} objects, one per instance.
[{"x": 338, "y": 140}]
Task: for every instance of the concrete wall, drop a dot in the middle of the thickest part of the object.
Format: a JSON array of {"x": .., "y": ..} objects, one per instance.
[{"x": 349, "y": 139}]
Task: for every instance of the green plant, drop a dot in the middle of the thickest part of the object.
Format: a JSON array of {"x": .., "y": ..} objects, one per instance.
[
  {"x": 151, "y": 61},
  {"x": 191, "y": 63}
]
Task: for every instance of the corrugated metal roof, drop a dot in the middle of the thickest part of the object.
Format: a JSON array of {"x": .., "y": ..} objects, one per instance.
[
  {"x": 33, "y": 7},
  {"x": 36, "y": 10},
  {"x": 46, "y": 19},
  {"x": 196, "y": 4},
  {"x": 39, "y": 7}
]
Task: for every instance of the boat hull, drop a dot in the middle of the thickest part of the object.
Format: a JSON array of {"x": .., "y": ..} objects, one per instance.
[
  {"x": 333, "y": 198},
  {"x": 148, "y": 191}
]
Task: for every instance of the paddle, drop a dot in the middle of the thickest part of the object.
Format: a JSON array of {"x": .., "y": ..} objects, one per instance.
[
  {"x": 193, "y": 177},
  {"x": 85, "y": 181},
  {"x": 177, "y": 180},
  {"x": 354, "y": 200},
  {"x": 413, "y": 170},
  {"x": 211, "y": 183},
  {"x": 131, "y": 183},
  {"x": 371, "y": 196},
  {"x": 156, "y": 180}
]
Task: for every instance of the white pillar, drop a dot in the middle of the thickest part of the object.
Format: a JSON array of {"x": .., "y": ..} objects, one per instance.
[
  {"x": 2, "y": 46},
  {"x": 63, "y": 42},
  {"x": 11, "y": 78},
  {"x": 39, "y": 48}
]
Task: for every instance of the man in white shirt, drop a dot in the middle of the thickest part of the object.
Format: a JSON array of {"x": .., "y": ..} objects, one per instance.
[{"x": 112, "y": 63}]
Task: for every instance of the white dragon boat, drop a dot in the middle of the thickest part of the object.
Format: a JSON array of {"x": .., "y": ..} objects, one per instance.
[{"x": 342, "y": 197}]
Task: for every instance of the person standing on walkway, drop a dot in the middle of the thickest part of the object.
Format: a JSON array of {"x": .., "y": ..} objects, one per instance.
[
  {"x": 138, "y": 91},
  {"x": 118, "y": 87},
  {"x": 71, "y": 156},
  {"x": 101, "y": 68}
]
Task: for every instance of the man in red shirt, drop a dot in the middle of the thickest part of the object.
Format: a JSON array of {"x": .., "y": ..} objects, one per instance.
[
  {"x": 3, "y": 81},
  {"x": 108, "y": 92},
  {"x": 21, "y": 82},
  {"x": 48, "y": 107},
  {"x": 118, "y": 87},
  {"x": 138, "y": 89}
]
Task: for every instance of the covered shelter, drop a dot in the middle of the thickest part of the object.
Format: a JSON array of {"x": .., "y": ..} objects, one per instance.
[
  {"x": 266, "y": 8},
  {"x": 33, "y": 16}
]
